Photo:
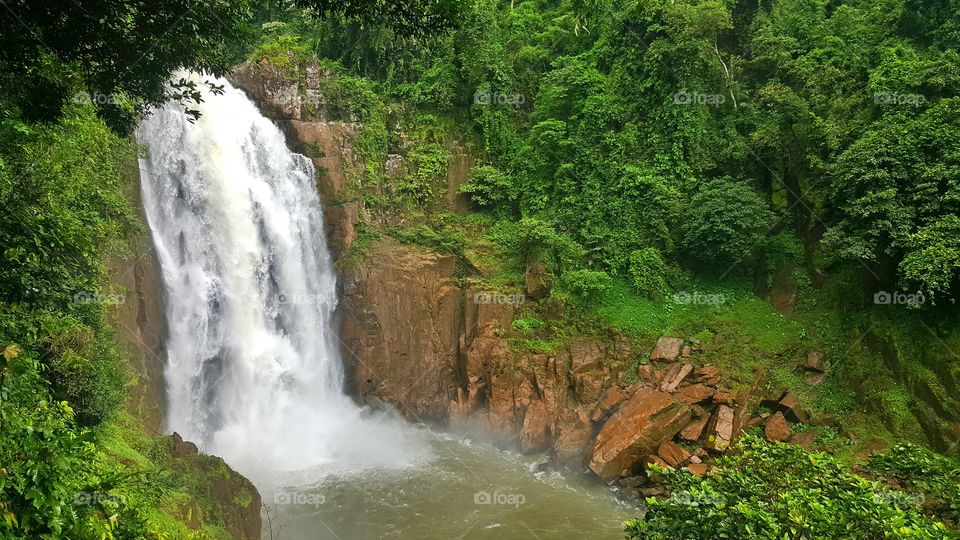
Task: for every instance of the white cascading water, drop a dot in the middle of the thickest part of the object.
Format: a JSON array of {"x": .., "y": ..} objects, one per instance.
[{"x": 253, "y": 372}]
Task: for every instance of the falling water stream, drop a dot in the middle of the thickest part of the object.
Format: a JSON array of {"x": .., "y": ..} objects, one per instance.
[{"x": 254, "y": 373}]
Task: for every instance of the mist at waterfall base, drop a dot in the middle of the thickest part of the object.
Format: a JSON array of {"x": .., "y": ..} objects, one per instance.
[{"x": 254, "y": 373}]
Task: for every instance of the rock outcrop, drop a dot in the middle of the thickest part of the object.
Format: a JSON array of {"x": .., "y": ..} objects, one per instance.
[
  {"x": 646, "y": 420},
  {"x": 327, "y": 133},
  {"x": 400, "y": 329},
  {"x": 777, "y": 428},
  {"x": 317, "y": 131},
  {"x": 223, "y": 496}
]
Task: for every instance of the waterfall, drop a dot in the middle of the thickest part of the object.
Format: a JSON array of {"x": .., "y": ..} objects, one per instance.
[{"x": 253, "y": 371}]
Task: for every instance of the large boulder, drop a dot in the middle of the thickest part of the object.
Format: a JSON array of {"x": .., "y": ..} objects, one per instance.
[
  {"x": 667, "y": 348},
  {"x": 747, "y": 402},
  {"x": 674, "y": 454},
  {"x": 721, "y": 429},
  {"x": 573, "y": 440},
  {"x": 694, "y": 429},
  {"x": 790, "y": 406},
  {"x": 694, "y": 394},
  {"x": 777, "y": 428},
  {"x": 636, "y": 430},
  {"x": 537, "y": 280},
  {"x": 815, "y": 362},
  {"x": 537, "y": 430},
  {"x": 220, "y": 496}
]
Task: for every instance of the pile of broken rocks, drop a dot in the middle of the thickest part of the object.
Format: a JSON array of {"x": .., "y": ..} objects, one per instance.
[{"x": 680, "y": 415}]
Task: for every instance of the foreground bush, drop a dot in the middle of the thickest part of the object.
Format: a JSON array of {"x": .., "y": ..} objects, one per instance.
[
  {"x": 780, "y": 491},
  {"x": 929, "y": 477}
]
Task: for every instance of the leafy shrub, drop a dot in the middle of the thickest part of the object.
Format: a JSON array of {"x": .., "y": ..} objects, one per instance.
[
  {"x": 931, "y": 265},
  {"x": 935, "y": 477},
  {"x": 726, "y": 222},
  {"x": 429, "y": 162},
  {"x": 489, "y": 187},
  {"x": 527, "y": 325},
  {"x": 351, "y": 99},
  {"x": 51, "y": 485},
  {"x": 445, "y": 240},
  {"x": 93, "y": 385},
  {"x": 780, "y": 491},
  {"x": 649, "y": 273},
  {"x": 584, "y": 287},
  {"x": 878, "y": 183},
  {"x": 63, "y": 206},
  {"x": 282, "y": 50},
  {"x": 534, "y": 239}
]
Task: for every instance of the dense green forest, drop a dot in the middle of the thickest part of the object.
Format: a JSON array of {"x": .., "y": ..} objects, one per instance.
[{"x": 802, "y": 155}]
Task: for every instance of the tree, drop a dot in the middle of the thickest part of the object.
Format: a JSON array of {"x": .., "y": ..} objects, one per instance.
[
  {"x": 119, "y": 54},
  {"x": 408, "y": 17},
  {"x": 897, "y": 193},
  {"x": 726, "y": 222},
  {"x": 649, "y": 273}
]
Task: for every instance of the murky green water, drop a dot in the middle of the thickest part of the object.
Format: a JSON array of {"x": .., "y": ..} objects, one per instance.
[{"x": 469, "y": 490}]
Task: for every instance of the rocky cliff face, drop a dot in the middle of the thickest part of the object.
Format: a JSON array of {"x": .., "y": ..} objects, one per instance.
[
  {"x": 141, "y": 325},
  {"x": 401, "y": 322},
  {"x": 224, "y": 496}
]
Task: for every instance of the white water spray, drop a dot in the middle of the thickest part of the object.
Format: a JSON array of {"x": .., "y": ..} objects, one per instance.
[{"x": 253, "y": 373}]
